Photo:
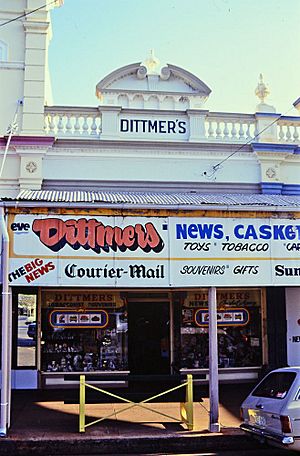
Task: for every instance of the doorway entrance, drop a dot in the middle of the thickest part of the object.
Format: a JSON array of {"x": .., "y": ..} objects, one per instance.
[{"x": 149, "y": 338}]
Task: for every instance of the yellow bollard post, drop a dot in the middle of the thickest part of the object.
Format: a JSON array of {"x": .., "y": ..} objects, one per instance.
[
  {"x": 190, "y": 403},
  {"x": 82, "y": 404},
  {"x": 183, "y": 416}
]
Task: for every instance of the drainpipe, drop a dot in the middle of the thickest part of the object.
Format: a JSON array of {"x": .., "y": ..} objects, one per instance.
[{"x": 6, "y": 332}]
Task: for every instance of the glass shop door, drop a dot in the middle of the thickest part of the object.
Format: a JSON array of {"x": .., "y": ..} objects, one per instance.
[{"x": 149, "y": 338}]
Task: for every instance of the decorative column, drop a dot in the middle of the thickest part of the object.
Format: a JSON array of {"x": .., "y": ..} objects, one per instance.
[
  {"x": 110, "y": 122},
  {"x": 37, "y": 29},
  {"x": 266, "y": 116},
  {"x": 31, "y": 151},
  {"x": 197, "y": 124},
  {"x": 271, "y": 158},
  {"x": 34, "y": 78}
]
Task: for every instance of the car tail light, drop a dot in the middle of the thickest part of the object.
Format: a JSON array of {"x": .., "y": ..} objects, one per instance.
[{"x": 285, "y": 424}]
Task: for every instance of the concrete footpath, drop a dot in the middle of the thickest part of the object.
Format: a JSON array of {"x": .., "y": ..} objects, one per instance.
[{"x": 42, "y": 424}]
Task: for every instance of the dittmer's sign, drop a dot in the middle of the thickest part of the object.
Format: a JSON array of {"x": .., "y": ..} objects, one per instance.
[
  {"x": 153, "y": 127},
  {"x": 81, "y": 299},
  {"x": 92, "y": 234},
  {"x": 158, "y": 251}
]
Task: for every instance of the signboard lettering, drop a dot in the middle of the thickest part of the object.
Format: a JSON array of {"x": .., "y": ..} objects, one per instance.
[
  {"x": 153, "y": 126},
  {"x": 281, "y": 270},
  {"x": 82, "y": 299},
  {"x": 93, "y": 234},
  {"x": 117, "y": 251},
  {"x": 32, "y": 270},
  {"x": 134, "y": 271},
  {"x": 18, "y": 227}
]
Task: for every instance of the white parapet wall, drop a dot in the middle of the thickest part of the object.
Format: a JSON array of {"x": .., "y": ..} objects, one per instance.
[{"x": 24, "y": 40}]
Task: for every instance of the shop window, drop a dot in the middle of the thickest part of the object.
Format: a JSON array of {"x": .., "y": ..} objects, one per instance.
[
  {"x": 239, "y": 329},
  {"x": 26, "y": 330},
  {"x": 84, "y": 332}
]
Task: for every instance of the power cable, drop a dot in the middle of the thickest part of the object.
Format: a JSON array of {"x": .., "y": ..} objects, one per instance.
[
  {"x": 216, "y": 167},
  {"x": 29, "y": 12}
]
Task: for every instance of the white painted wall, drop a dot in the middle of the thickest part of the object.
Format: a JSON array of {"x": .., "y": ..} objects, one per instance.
[
  {"x": 23, "y": 71},
  {"x": 11, "y": 67},
  {"x": 158, "y": 164},
  {"x": 290, "y": 169},
  {"x": 24, "y": 75}
]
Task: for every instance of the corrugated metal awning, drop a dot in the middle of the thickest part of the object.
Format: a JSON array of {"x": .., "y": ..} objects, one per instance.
[{"x": 158, "y": 198}]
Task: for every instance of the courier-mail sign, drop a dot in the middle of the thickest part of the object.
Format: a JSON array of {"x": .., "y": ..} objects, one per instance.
[
  {"x": 90, "y": 251},
  {"x": 114, "y": 251}
]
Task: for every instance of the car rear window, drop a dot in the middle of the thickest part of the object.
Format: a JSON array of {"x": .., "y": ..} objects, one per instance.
[{"x": 276, "y": 385}]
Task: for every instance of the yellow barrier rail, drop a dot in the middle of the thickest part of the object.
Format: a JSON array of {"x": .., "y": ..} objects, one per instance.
[{"x": 186, "y": 408}]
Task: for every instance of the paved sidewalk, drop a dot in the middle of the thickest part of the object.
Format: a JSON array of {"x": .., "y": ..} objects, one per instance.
[{"x": 43, "y": 424}]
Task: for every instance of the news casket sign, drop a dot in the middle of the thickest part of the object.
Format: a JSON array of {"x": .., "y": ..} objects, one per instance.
[{"x": 98, "y": 251}]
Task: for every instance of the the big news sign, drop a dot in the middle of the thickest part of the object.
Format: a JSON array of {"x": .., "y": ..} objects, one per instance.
[{"x": 162, "y": 252}]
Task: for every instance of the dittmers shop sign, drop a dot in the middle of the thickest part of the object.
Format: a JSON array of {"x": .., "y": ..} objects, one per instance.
[
  {"x": 153, "y": 127},
  {"x": 161, "y": 252}
]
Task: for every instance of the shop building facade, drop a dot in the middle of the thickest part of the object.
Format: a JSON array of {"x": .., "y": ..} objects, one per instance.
[
  {"x": 125, "y": 291},
  {"x": 122, "y": 216}
]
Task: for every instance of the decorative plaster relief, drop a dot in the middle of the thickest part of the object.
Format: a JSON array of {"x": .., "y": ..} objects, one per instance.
[
  {"x": 271, "y": 173},
  {"x": 31, "y": 167}
]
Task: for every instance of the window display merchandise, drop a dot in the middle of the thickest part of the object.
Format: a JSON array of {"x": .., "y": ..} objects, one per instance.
[
  {"x": 239, "y": 329},
  {"x": 81, "y": 338}
]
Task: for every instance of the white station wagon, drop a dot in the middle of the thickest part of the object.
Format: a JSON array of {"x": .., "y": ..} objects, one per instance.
[{"x": 271, "y": 412}]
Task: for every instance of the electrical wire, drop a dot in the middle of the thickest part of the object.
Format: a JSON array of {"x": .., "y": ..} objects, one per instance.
[
  {"x": 216, "y": 167},
  {"x": 29, "y": 12}
]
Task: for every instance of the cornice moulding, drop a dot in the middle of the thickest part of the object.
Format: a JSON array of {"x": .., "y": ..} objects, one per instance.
[
  {"x": 127, "y": 144},
  {"x": 12, "y": 65},
  {"x": 64, "y": 153}
]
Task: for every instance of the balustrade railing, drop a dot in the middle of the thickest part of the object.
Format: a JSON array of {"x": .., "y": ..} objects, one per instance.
[
  {"x": 72, "y": 122},
  {"x": 224, "y": 127},
  {"x": 288, "y": 129},
  {"x": 221, "y": 127}
]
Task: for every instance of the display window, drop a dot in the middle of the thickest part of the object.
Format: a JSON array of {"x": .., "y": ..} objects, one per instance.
[
  {"x": 83, "y": 331},
  {"x": 239, "y": 328},
  {"x": 24, "y": 329}
]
